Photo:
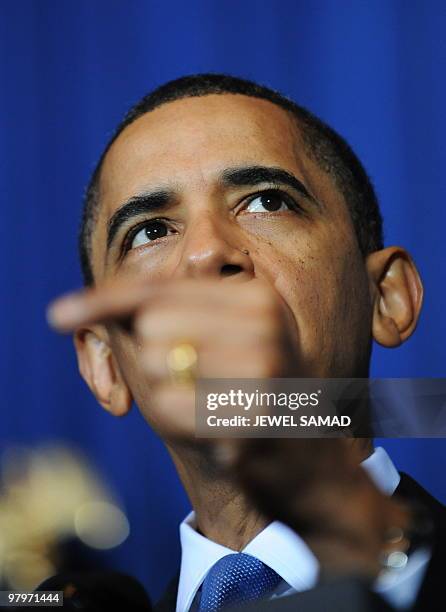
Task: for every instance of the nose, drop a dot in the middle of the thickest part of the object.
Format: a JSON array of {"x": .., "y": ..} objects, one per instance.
[{"x": 214, "y": 249}]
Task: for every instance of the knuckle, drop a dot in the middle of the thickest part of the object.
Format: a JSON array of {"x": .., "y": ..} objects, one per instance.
[
  {"x": 264, "y": 297},
  {"x": 269, "y": 326},
  {"x": 269, "y": 364}
]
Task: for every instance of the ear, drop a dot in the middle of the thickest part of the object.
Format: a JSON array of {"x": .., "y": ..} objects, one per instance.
[
  {"x": 397, "y": 294},
  {"x": 100, "y": 370}
]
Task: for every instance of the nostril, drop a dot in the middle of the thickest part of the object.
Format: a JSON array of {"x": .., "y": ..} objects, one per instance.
[{"x": 230, "y": 270}]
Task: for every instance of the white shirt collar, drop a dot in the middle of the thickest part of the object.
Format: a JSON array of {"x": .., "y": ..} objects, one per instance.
[
  {"x": 277, "y": 545},
  {"x": 382, "y": 471}
]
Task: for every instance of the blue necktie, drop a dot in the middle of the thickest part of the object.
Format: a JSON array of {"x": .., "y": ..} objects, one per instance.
[{"x": 236, "y": 579}]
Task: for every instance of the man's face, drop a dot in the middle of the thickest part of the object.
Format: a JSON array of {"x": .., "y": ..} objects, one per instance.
[{"x": 207, "y": 169}]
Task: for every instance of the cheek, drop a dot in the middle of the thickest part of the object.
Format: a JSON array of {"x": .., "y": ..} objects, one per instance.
[
  {"x": 326, "y": 289},
  {"x": 153, "y": 262}
]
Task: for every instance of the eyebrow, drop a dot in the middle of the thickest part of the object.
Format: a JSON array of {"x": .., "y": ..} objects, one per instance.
[
  {"x": 255, "y": 175},
  {"x": 153, "y": 201},
  {"x": 243, "y": 176}
]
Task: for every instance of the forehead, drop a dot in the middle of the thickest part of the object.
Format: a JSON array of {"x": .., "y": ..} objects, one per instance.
[
  {"x": 187, "y": 143},
  {"x": 200, "y": 134},
  {"x": 189, "y": 140}
]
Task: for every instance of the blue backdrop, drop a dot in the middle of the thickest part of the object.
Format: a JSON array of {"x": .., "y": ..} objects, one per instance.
[{"x": 69, "y": 70}]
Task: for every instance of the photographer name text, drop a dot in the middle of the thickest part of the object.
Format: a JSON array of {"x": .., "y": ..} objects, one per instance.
[{"x": 287, "y": 420}]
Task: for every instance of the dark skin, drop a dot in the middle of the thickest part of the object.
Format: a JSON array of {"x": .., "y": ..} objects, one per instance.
[{"x": 264, "y": 276}]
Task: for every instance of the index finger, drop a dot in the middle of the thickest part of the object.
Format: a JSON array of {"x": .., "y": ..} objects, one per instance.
[{"x": 116, "y": 300}]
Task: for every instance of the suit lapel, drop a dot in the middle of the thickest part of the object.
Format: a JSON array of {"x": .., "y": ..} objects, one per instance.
[
  {"x": 430, "y": 597},
  {"x": 168, "y": 601}
]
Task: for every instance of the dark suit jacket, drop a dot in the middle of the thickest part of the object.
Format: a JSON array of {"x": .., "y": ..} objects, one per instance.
[{"x": 344, "y": 593}]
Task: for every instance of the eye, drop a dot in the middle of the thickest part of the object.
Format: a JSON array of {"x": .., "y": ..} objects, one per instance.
[
  {"x": 151, "y": 230},
  {"x": 269, "y": 201}
]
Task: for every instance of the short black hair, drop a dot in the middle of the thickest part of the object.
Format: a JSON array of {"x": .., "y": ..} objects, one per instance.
[{"x": 331, "y": 152}]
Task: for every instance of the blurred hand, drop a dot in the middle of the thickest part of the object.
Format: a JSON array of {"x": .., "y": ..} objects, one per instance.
[{"x": 238, "y": 330}]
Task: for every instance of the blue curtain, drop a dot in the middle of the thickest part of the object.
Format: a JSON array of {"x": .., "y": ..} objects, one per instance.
[{"x": 69, "y": 70}]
